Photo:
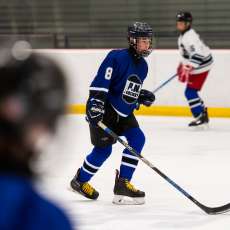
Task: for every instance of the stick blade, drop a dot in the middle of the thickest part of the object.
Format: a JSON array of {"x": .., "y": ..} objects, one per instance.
[{"x": 216, "y": 210}]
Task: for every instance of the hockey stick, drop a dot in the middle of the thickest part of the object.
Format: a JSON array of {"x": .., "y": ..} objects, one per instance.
[
  {"x": 208, "y": 210},
  {"x": 164, "y": 83}
]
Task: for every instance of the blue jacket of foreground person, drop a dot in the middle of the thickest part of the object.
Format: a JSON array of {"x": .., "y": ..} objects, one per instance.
[{"x": 22, "y": 208}]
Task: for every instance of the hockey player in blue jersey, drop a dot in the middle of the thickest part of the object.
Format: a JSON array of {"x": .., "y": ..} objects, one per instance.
[
  {"x": 32, "y": 98},
  {"x": 115, "y": 93}
]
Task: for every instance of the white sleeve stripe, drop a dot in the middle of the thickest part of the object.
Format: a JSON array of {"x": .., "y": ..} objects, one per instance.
[
  {"x": 208, "y": 57},
  {"x": 195, "y": 61},
  {"x": 198, "y": 55},
  {"x": 202, "y": 66},
  {"x": 99, "y": 89}
]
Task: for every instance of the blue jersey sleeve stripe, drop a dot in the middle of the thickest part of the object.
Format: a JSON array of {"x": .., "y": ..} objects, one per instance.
[
  {"x": 120, "y": 113},
  {"x": 99, "y": 89}
]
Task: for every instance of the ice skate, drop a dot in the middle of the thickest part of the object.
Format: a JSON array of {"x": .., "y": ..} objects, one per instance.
[
  {"x": 125, "y": 193},
  {"x": 84, "y": 188},
  {"x": 201, "y": 121}
]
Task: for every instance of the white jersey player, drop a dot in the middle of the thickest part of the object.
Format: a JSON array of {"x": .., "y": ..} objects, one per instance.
[{"x": 196, "y": 62}]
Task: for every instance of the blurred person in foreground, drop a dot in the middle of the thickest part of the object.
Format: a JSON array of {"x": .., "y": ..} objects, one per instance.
[{"x": 32, "y": 98}]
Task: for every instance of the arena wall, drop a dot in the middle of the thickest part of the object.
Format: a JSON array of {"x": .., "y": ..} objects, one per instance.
[{"x": 81, "y": 66}]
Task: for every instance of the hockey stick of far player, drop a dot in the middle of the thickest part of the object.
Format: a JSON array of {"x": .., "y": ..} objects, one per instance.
[
  {"x": 208, "y": 210},
  {"x": 164, "y": 83}
]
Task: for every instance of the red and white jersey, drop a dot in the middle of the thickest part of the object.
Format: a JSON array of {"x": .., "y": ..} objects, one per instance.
[{"x": 194, "y": 52}]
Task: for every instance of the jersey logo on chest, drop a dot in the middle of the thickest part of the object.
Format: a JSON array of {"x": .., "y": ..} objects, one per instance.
[{"x": 132, "y": 89}]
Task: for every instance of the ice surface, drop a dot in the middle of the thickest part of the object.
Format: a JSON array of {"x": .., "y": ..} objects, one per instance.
[{"x": 197, "y": 160}]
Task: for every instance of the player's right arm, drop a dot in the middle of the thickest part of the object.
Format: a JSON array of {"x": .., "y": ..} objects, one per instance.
[{"x": 99, "y": 89}]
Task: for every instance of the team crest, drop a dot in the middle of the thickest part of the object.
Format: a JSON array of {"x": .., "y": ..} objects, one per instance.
[{"x": 132, "y": 89}]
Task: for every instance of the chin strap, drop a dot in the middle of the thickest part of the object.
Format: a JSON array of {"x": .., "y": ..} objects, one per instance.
[{"x": 134, "y": 53}]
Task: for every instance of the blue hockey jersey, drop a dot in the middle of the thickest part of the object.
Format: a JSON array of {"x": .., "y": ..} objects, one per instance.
[
  {"x": 22, "y": 208},
  {"x": 121, "y": 77}
]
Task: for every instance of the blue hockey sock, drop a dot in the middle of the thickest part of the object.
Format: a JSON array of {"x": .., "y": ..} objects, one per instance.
[
  {"x": 196, "y": 104},
  {"x": 93, "y": 162},
  {"x": 136, "y": 140}
]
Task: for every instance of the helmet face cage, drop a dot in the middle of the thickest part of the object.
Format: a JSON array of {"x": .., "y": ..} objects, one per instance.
[{"x": 140, "y": 30}]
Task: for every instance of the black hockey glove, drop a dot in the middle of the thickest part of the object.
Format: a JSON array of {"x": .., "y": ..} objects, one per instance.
[
  {"x": 146, "y": 97},
  {"x": 94, "y": 110}
]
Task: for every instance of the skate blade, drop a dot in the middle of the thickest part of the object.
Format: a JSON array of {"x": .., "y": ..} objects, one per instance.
[
  {"x": 74, "y": 191},
  {"x": 125, "y": 200},
  {"x": 200, "y": 127},
  {"x": 80, "y": 193},
  {"x": 77, "y": 192}
]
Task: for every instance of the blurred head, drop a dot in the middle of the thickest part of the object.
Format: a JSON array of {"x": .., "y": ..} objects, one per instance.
[
  {"x": 32, "y": 98},
  {"x": 140, "y": 38},
  {"x": 183, "y": 21}
]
